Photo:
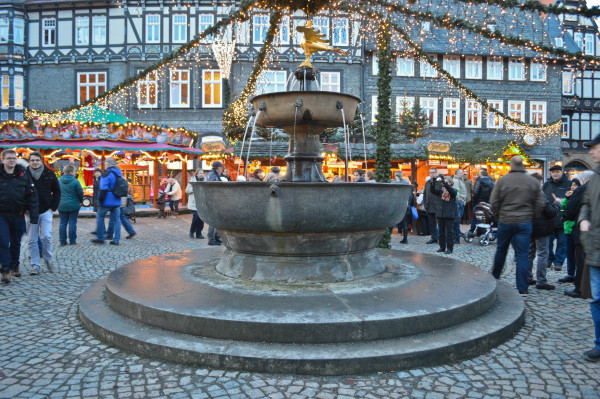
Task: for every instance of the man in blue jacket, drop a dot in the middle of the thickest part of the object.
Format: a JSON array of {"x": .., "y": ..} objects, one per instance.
[{"x": 108, "y": 202}]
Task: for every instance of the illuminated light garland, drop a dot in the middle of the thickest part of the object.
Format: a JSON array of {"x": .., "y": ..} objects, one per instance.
[
  {"x": 224, "y": 51},
  {"x": 535, "y": 5}
]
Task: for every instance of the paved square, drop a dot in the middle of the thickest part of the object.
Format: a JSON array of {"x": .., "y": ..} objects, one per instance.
[{"x": 46, "y": 353}]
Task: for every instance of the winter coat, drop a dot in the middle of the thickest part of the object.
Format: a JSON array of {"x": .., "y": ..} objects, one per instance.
[
  {"x": 17, "y": 194},
  {"x": 174, "y": 191},
  {"x": 189, "y": 190},
  {"x": 431, "y": 200},
  {"x": 544, "y": 226},
  {"x": 48, "y": 190},
  {"x": 106, "y": 198},
  {"x": 71, "y": 194},
  {"x": 444, "y": 209},
  {"x": 95, "y": 193},
  {"x": 517, "y": 197},
  {"x": 469, "y": 188},
  {"x": 483, "y": 190},
  {"x": 558, "y": 188},
  {"x": 213, "y": 176},
  {"x": 572, "y": 211},
  {"x": 590, "y": 211},
  {"x": 461, "y": 190}
]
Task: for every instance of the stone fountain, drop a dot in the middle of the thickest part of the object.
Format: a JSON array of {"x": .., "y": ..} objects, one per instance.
[{"x": 299, "y": 286}]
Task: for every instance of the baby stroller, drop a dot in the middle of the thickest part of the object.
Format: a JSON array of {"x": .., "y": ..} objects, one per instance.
[
  {"x": 128, "y": 207},
  {"x": 486, "y": 228}
]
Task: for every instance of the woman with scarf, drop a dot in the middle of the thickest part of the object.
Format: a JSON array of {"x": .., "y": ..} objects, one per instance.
[
  {"x": 48, "y": 192},
  {"x": 445, "y": 211}
]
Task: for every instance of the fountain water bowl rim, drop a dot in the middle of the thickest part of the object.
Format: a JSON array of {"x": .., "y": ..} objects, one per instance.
[{"x": 304, "y": 93}]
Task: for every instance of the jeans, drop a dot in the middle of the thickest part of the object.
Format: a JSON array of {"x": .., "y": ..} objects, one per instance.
[
  {"x": 174, "y": 205},
  {"x": 446, "y": 237},
  {"x": 558, "y": 257},
  {"x": 595, "y": 304},
  {"x": 115, "y": 219},
  {"x": 124, "y": 222},
  {"x": 11, "y": 232},
  {"x": 433, "y": 230},
  {"x": 473, "y": 221},
  {"x": 570, "y": 254},
  {"x": 43, "y": 230},
  {"x": 70, "y": 219},
  {"x": 197, "y": 225},
  {"x": 519, "y": 235},
  {"x": 538, "y": 246},
  {"x": 460, "y": 207}
]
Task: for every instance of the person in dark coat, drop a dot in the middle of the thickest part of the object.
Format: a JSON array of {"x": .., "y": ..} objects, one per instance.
[
  {"x": 445, "y": 211},
  {"x": 542, "y": 228},
  {"x": 571, "y": 213},
  {"x": 17, "y": 195},
  {"x": 482, "y": 193},
  {"x": 48, "y": 191},
  {"x": 96, "y": 188},
  {"x": 214, "y": 238},
  {"x": 430, "y": 201},
  {"x": 556, "y": 188}
]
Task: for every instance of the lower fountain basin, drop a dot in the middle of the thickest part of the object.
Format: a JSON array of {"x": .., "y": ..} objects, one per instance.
[{"x": 301, "y": 232}]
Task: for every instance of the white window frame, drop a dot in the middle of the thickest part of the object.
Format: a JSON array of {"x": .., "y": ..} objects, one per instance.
[
  {"x": 578, "y": 39},
  {"x": 452, "y": 65},
  {"x": 211, "y": 85},
  {"x": 403, "y": 103},
  {"x": 82, "y": 31},
  {"x": 178, "y": 86},
  {"x": 405, "y": 66},
  {"x": 283, "y": 35},
  {"x": 516, "y": 113},
  {"x": 179, "y": 29},
  {"x": 568, "y": 83},
  {"x": 374, "y": 109},
  {"x": 260, "y": 27},
  {"x": 153, "y": 28},
  {"x": 145, "y": 85},
  {"x": 451, "y": 112},
  {"x": 271, "y": 81},
  {"x": 322, "y": 25},
  {"x": 494, "y": 120},
  {"x": 538, "y": 71},
  {"x": 4, "y": 24},
  {"x": 472, "y": 114},
  {"x": 374, "y": 64},
  {"x": 558, "y": 42},
  {"x": 495, "y": 68},
  {"x": 99, "y": 87},
  {"x": 429, "y": 105},
  {"x": 426, "y": 70},
  {"x": 537, "y": 112},
  {"x": 5, "y": 91},
  {"x": 340, "y": 31},
  {"x": 516, "y": 69},
  {"x": 566, "y": 127},
  {"x": 19, "y": 31},
  {"x": 473, "y": 67},
  {"x": 331, "y": 81},
  {"x": 19, "y": 89},
  {"x": 426, "y": 26},
  {"x": 205, "y": 21},
  {"x": 98, "y": 30},
  {"x": 243, "y": 34},
  {"x": 590, "y": 41},
  {"x": 49, "y": 32}
]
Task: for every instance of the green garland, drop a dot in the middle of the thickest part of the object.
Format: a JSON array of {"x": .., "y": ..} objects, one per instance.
[
  {"x": 383, "y": 129},
  {"x": 479, "y": 151},
  {"x": 448, "y": 21},
  {"x": 307, "y": 6},
  {"x": 232, "y": 126}
]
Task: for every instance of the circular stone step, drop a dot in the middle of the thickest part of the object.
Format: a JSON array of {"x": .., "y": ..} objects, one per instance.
[{"x": 183, "y": 293}]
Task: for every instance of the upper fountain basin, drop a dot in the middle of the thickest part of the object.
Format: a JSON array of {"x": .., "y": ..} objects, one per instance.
[
  {"x": 301, "y": 207},
  {"x": 317, "y": 108}
]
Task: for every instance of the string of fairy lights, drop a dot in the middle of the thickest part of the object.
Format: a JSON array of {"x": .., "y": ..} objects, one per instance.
[{"x": 519, "y": 26}]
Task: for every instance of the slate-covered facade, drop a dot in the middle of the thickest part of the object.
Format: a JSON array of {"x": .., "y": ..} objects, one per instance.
[{"x": 76, "y": 49}]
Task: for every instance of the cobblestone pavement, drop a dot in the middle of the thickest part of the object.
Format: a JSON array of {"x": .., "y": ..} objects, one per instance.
[{"x": 46, "y": 353}]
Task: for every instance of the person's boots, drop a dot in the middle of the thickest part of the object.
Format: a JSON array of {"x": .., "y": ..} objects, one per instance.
[
  {"x": 15, "y": 270},
  {"x": 5, "y": 276}
]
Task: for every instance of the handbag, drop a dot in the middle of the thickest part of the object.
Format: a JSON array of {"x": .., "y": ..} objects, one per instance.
[{"x": 415, "y": 213}]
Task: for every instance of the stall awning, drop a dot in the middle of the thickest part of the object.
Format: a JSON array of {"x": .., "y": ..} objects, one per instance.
[{"x": 99, "y": 145}]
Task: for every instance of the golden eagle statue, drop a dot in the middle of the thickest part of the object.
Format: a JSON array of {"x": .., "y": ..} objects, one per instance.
[{"x": 313, "y": 41}]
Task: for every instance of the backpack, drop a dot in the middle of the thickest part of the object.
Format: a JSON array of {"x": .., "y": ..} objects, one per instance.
[{"x": 121, "y": 188}]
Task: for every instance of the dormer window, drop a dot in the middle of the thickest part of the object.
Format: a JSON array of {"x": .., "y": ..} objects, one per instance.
[
  {"x": 558, "y": 41},
  {"x": 491, "y": 26},
  {"x": 426, "y": 26}
]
